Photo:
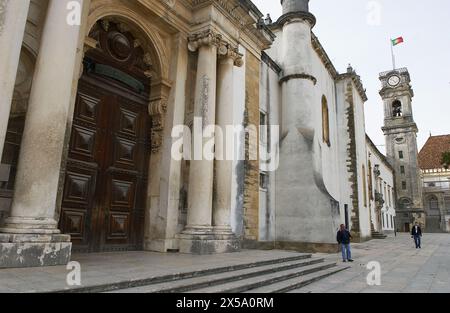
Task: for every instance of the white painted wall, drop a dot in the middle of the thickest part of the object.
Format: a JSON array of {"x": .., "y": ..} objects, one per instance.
[{"x": 383, "y": 184}]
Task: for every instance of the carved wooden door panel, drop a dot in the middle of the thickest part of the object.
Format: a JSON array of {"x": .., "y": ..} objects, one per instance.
[
  {"x": 124, "y": 175},
  {"x": 106, "y": 176},
  {"x": 105, "y": 187}
]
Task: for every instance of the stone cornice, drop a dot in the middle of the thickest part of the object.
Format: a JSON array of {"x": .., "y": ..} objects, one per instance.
[
  {"x": 317, "y": 46},
  {"x": 271, "y": 63},
  {"x": 403, "y": 90},
  {"x": 380, "y": 155},
  {"x": 298, "y": 76},
  {"x": 403, "y": 128},
  {"x": 244, "y": 15},
  {"x": 288, "y": 17}
]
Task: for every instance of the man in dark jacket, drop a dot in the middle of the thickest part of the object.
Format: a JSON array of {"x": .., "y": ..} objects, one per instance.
[
  {"x": 416, "y": 233},
  {"x": 343, "y": 238}
]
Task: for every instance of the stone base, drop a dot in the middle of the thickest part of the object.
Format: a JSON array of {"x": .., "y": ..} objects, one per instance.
[
  {"x": 213, "y": 243},
  {"x": 18, "y": 251},
  {"x": 162, "y": 245}
]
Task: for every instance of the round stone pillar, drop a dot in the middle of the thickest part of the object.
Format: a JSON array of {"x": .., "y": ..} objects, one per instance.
[
  {"x": 34, "y": 204},
  {"x": 12, "y": 28},
  {"x": 202, "y": 169},
  {"x": 30, "y": 236},
  {"x": 223, "y": 164}
]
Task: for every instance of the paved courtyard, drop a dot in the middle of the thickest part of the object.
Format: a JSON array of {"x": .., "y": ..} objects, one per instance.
[{"x": 404, "y": 269}]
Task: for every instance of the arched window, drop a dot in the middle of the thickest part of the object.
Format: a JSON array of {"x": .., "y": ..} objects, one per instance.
[
  {"x": 433, "y": 202},
  {"x": 397, "y": 108},
  {"x": 405, "y": 203},
  {"x": 364, "y": 185},
  {"x": 325, "y": 122}
]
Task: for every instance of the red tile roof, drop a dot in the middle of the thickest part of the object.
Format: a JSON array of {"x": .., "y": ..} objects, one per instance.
[{"x": 430, "y": 157}]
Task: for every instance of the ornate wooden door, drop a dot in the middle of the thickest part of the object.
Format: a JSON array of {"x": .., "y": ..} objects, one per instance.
[{"x": 106, "y": 175}]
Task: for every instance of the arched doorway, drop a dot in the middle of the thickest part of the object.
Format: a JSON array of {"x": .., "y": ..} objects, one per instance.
[{"x": 106, "y": 177}]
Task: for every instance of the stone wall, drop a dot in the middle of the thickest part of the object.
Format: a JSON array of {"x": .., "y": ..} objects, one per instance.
[
  {"x": 352, "y": 164},
  {"x": 251, "y": 190}
]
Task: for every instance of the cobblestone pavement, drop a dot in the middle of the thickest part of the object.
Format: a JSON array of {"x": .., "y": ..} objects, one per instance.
[{"x": 404, "y": 269}]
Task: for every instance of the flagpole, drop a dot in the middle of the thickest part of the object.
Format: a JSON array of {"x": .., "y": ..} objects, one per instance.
[{"x": 393, "y": 55}]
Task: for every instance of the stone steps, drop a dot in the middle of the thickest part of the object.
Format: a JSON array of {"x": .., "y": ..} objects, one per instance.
[
  {"x": 223, "y": 279},
  {"x": 377, "y": 235},
  {"x": 293, "y": 284},
  {"x": 128, "y": 284},
  {"x": 266, "y": 281}
]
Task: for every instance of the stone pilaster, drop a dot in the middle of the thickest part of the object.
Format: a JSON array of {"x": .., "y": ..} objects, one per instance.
[
  {"x": 13, "y": 18},
  {"x": 30, "y": 237}
]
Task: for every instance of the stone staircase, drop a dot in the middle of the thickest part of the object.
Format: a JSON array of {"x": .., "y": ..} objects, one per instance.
[
  {"x": 277, "y": 275},
  {"x": 377, "y": 235}
]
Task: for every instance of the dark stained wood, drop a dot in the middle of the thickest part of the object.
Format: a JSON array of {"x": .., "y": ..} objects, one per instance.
[{"x": 106, "y": 178}]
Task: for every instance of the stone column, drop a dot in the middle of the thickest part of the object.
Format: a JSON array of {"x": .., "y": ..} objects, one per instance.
[
  {"x": 197, "y": 236},
  {"x": 31, "y": 233},
  {"x": 13, "y": 19},
  {"x": 224, "y": 165}
]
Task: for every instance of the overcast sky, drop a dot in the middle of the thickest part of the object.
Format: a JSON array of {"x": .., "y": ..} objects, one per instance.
[{"x": 352, "y": 32}]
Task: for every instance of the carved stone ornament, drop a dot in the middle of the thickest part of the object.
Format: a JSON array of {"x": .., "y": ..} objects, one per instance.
[
  {"x": 204, "y": 38},
  {"x": 224, "y": 48},
  {"x": 157, "y": 110},
  {"x": 234, "y": 54}
]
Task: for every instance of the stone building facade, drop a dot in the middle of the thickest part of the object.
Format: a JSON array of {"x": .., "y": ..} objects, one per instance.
[
  {"x": 90, "y": 168},
  {"x": 92, "y": 93},
  {"x": 436, "y": 183}
]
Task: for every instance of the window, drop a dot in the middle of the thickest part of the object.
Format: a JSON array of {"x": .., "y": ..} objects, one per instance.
[
  {"x": 404, "y": 186},
  {"x": 402, "y": 170},
  {"x": 263, "y": 181},
  {"x": 433, "y": 202},
  {"x": 264, "y": 129},
  {"x": 389, "y": 195},
  {"x": 400, "y": 154},
  {"x": 397, "y": 109},
  {"x": 325, "y": 122}
]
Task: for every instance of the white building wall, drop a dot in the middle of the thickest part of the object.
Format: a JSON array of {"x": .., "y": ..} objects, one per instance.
[{"x": 383, "y": 184}]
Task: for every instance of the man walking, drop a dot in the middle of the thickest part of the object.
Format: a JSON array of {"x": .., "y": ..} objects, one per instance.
[
  {"x": 416, "y": 233},
  {"x": 343, "y": 238}
]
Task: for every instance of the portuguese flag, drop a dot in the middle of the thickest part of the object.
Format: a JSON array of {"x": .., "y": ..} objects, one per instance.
[{"x": 397, "y": 41}]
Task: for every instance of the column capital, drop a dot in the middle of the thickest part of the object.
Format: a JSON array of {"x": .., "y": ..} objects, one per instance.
[
  {"x": 207, "y": 37},
  {"x": 232, "y": 53}
]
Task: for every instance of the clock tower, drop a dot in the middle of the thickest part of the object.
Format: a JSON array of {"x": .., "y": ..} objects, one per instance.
[{"x": 401, "y": 131}]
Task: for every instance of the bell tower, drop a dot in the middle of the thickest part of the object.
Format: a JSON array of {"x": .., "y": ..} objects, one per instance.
[{"x": 401, "y": 131}]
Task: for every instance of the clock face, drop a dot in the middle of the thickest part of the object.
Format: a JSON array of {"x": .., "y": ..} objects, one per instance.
[{"x": 394, "y": 80}]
